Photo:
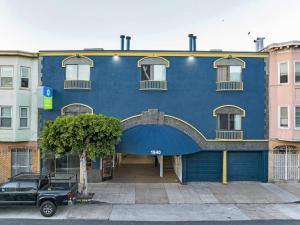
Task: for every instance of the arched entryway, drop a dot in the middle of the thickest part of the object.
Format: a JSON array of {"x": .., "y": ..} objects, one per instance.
[{"x": 152, "y": 144}]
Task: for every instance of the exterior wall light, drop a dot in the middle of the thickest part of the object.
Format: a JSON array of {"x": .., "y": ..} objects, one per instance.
[{"x": 116, "y": 58}]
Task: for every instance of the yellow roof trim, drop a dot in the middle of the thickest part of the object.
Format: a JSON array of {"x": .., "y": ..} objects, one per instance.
[{"x": 156, "y": 54}]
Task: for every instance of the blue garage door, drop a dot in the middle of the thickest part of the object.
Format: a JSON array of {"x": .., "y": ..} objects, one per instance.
[
  {"x": 247, "y": 166},
  {"x": 203, "y": 166}
]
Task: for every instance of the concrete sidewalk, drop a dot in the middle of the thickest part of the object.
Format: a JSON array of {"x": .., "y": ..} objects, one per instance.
[
  {"x": 196, "y": 193},
  {"x": 162, "y": 212}
]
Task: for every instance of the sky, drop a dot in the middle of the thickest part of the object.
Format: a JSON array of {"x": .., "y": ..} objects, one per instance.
[{"x": 33, "y": 25}]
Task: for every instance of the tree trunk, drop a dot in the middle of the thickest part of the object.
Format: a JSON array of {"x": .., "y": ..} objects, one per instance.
[{"x": 83, "y": 172}]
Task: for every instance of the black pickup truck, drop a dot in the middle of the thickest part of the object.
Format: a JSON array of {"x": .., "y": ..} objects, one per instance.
[{"x": 45, "y": 191}]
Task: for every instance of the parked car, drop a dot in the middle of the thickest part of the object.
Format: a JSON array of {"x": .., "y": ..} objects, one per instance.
[{"x": 45, "y": 191}]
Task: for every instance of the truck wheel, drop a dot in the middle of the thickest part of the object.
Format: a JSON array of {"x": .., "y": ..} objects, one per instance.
[{"x": 48, "y": 208}]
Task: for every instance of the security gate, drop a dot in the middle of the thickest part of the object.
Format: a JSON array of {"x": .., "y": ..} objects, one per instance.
[{"x": 286, "y": 166}]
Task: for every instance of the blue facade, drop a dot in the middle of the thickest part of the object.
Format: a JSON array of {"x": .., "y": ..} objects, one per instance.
[{"x": 191, "y": 96}]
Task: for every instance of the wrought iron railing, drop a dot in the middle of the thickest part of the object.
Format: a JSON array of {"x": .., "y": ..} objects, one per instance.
[
  {"x": 153, "y": 85},
  {"x": 229, "y": 85},
  {"x": 229, "y": 134},
  {"x": 77, "y": 84}
]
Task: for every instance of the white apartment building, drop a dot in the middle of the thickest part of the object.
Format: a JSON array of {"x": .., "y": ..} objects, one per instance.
[{"x": 18, "y": 113}]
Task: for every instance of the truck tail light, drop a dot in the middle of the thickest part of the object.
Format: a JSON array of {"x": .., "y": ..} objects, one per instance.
[{"x": 70, "y": 195}]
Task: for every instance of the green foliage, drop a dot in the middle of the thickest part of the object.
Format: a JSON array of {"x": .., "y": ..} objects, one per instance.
[{"x": 96, "y": 134}]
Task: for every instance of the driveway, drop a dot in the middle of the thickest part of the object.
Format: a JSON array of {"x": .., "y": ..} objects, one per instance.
[{"x": 196, "y": 193}]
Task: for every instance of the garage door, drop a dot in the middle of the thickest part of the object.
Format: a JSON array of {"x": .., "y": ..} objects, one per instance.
[
  {"x": 203, "y": 166},
  {"x": 247, "y": 166}
]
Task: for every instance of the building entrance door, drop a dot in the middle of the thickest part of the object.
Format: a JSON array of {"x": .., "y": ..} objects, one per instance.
[{"x": 107, "y": 168}]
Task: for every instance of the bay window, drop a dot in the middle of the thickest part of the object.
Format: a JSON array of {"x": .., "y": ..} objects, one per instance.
[
  {"x": 5, "y": 116},
  {"x": 283, "y": 73},
  {"x": 24, "y": 74}
]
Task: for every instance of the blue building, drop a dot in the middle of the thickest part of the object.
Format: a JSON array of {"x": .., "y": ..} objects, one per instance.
[{"x": 203, "y": 110}]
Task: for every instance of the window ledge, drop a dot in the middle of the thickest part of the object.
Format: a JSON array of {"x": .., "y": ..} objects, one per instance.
[
  {"x": 6, "y": 128},
  {"x": 6, "y": 88},
  {"x": 230, "y": 86},
  {"x": 153, "y": 85},
  {"x": 25, "y": 89},
  {"x": 78, "y": 84}
]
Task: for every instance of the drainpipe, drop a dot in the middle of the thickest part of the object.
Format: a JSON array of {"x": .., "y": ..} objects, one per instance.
[
  {"x": 128, "y": 38},
  {"x": 122, "y": 42},
  {"x": 191, "y": 42},
  {"x": 194, "y": 43}
]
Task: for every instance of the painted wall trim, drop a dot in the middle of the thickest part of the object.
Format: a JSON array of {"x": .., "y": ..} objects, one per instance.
[
  {"x": 140, "y": 61},
  {"x": 156, "y": 54},
  {"x": 73, "y": 104},
  {"x": 234, "y": 106},
  {"x": 225, "y": 58},
  {"x": 194, "y": 128},
  {"x": 74, "y": 56}
]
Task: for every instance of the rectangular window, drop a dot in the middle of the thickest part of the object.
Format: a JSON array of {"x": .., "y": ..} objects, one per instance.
[
  {"x": 283, "y": 73},
  {"x": 24, "y": 74},
  {"x": 24, "y": 112},
  {"x": 6, "y": 76},
  {"x": 229, "y": 73},
  {"x": 21, "y": 159},
  {"x": 297, "y": 72},
  {"x": 78, "y": 72},
  {"x": 297, "y": 117},
  {"x": 229, "y": 122},
  {"x": 284, "y": 118},
  {"x": 5, "y": 116},
  {"x": 153, "y": 72}
]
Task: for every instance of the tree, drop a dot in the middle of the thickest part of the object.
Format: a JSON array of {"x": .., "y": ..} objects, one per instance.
[{"x": 85, "y": 135}]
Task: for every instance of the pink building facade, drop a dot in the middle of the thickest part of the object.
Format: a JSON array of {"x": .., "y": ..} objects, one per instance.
[{"x": 284, "y": 101}]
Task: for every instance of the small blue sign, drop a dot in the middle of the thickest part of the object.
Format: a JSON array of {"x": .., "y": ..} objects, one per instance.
[{"x": 48, "y": 92}]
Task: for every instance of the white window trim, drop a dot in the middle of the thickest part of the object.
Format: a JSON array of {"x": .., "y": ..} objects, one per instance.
[
  {"x": 28, "y": 117},
  {"x": 279, "y": 114},
  {"x": 12, "y": 116},
  {"x": 29, "y": 77},
  {"x": 12, "y": 87},
  {"x": 296, "y": 128},
  {"x": 295, "y": 61},
  {"x": 288, "y": 72}
]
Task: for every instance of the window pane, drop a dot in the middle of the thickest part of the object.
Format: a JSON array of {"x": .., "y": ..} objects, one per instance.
[
  {"x": 159, "y": 72},
  {"x": 297, "y": 71},
  {"x": 283, "y": 68},
  {"x": 284, "y": 117},
  {"x": 283, "y": 73},
  {"x": 6, "y": 112},
  {"x": 71, "y": 72},
  {"x": 222, "y": 73},
  {"x": 24, "y": 112},
  {"x": 223, "y": 121},
  {"x": 6, "y": 81},
  {"x": 5, "y": 122},
  {"x": 7, "y": 71},
  {"x": 84, "y": 72},
  {"x": 25, "y": 72},
  {"x": 231, "y": 122},
  {"x": 235, "y": 73},
  {"x": 237, "y": 122},
  {"x": 23, "y": 122},
  {"x": 145, "y": 72},
  {"x": 24, "y": 82},
  {"x": 297, "y": 116}
]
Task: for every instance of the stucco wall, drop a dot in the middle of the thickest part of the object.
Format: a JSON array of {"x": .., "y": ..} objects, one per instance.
[{"x": 191, "y": 94}]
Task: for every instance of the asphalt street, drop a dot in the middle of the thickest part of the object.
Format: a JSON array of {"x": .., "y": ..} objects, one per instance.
[{"x": 97, "y": 222}]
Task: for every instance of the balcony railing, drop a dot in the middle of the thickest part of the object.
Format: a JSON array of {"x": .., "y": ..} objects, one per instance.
[
  {"x": 77, "y": 84},
  {"x": 229, "y": 134},
  {"x": 229, "y": 85},
  {"x": 153, "y": 85}
]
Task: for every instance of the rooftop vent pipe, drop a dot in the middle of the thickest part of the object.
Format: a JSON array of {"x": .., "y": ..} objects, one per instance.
[
  {"x": 259, "y": 43},
  {"x": 191, "y": 42},
  {"x": 128, "y": 38},
  {"x": 194, "y": 43},
  {"x": 122, "y": 42}
]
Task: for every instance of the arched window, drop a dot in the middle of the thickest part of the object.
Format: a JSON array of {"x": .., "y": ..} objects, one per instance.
[
  {"x": 75, "y": 109},
  {"x": 283, "y": 149},
  {"x": 229, "y": 73},
  {"x": 153, "y": 73},
  {"x": 77, "y": 72},
  {"x": 229, "y": 122}
]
